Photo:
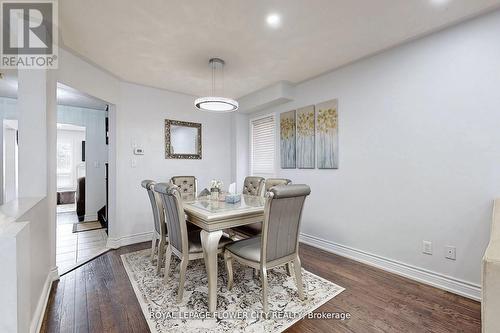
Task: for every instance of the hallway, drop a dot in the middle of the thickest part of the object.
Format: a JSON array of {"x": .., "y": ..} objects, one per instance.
[{"x": 74, "y": 249}]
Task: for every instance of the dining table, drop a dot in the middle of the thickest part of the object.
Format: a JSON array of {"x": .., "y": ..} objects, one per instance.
[{"x": 214, "y": 216}]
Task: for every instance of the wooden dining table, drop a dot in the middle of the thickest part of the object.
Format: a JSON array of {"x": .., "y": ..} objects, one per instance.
[{"x": 213, "y": 216}]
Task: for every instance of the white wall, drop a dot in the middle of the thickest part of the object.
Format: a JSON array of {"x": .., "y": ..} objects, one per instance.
[
  {"x": 9, "y": 163},
  {"x": 32, "y": 106},
  {"x": 140, "y": 116},
  {"x": 41, "y": 270},
  {"x": 419, "y": 151},
  {"x": 8, "y": 110},
  {"x": 87, "y": 78},
  {"x": 240, "y": 149},
  {"x": 35, "y": 267},
  {"x": 96, "y": 153}
]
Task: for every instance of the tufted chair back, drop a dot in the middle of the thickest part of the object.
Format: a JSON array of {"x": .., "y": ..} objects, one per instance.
[
  {"x": 187, "y": 186},
  {"x": 280, "y": 229},
  {"x": 157, "y": 207},
  {"x": 270, "y": 182},
  {"x": 253, "y": 185},
  {"x": 175, "y": 218}
]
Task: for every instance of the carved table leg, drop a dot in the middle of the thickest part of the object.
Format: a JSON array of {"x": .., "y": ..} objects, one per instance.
[{"x": 210, "y": 242}]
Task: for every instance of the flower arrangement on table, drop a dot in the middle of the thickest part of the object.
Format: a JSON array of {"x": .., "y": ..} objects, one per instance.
[
  {"x": 215, "y": 188},
  {"x": 216, "y": 185}
]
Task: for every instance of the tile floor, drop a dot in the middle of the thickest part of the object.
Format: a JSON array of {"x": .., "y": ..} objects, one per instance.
[
  {"x": 66, "y": 208},
  {"x": 75, "y": 248}
]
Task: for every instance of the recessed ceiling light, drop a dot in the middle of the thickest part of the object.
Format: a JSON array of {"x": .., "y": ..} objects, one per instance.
[
  {"x": 439, "y": 3},
  {"x": 273, "y": 20}
]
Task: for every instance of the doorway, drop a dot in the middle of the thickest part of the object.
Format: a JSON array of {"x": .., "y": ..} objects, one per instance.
[{"x": 82, "y": 157}]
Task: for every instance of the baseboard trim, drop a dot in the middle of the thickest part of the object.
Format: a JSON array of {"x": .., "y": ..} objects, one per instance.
[
  {"x": 36, "y": 322},
  {"x": 115, "y": 243},
  {"x": 448, "y": 283}
]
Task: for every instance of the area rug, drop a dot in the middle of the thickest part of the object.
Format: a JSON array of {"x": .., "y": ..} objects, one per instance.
[
  {"x": 238, "y": 310},
  {"x": 87, "y": 226}
]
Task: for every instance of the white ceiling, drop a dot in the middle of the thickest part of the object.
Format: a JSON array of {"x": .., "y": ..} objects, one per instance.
[
  {"x": 167, "y": 43},
  {"x": 65, "y": 95}
]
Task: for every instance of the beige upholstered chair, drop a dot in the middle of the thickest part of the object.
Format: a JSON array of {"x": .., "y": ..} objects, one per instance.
[
  {"x": 255, "y": 229},
  {"x": 253, "y": 185},
  {"x": 184, "y": 244},
  {"x": 270, "y": 182},
  {"x": 187, "y": 186},
  {"x": 490, "y": 277},
  {"x": 279, "y": 243},
  {"x": 160, "y": 228}
]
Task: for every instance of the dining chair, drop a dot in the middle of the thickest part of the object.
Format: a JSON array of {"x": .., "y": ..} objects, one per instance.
[
  {"x": 184, "y": 244},
  {"x": 270, "y": 182},
  {"x": 160, "y": 228},
  {"x": 255, "y": 229},
  {"x": 279, "y": 243},
  {"x": 187, "y": 186},
  {"x": 253, "y": 185}
]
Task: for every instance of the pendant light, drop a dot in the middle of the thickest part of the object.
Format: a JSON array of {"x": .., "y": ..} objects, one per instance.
[{"x": 213, "y": 103}]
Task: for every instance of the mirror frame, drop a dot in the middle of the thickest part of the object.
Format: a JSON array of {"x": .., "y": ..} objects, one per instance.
[{"x": 168, "y": 141}]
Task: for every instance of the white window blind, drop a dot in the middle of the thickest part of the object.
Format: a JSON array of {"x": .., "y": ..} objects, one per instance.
[{"x": 262, "y": 149}]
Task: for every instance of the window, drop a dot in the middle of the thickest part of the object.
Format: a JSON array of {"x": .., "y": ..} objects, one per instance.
[
  {"x": 64, "y": 166},
  {"x": 70, "y": 164},
  {"x": 262, "y": 146}
]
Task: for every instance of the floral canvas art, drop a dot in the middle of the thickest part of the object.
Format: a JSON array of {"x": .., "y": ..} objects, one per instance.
[
  {"x": 287, "y": 139},
  {"x": 327, "y": 134},
  {"x": 305, "y": 137}
]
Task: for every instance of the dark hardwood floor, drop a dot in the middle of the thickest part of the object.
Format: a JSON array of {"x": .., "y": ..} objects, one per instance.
[{"x": 98, "y": 297}]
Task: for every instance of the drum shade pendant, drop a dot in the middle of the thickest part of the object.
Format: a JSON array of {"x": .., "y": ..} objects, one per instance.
[{"x": 213, "y": 103}]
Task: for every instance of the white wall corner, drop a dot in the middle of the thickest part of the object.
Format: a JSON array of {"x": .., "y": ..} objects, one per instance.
[
  {"x": 277, "y": 94},
  {"x": 456, "y": 286}
]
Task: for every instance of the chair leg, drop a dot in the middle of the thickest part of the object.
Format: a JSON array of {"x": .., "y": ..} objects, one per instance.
[
  {"x": 229, "y": 267},
  {"x": 182, "y": 279},
  {"x": 298, "y": 277},
  {"x": 168, "y": 256},
  {"x": 263, "y": 278},
  {"x": 153, "y": 248},
  {"x": 161, "y": 254},
  {"x": 289, "y": 269}
]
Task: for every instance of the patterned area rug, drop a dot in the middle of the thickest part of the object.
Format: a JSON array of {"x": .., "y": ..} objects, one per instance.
[{"x": 238, "y": 310}]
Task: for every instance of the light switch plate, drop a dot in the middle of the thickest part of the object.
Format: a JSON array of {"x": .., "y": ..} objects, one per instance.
[{"x": 427, "y": 247}]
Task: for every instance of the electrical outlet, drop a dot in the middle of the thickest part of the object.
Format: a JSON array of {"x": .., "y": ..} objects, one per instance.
[
  {"x": 451, "y": 252},
  {"x": 427, "y": 247}
]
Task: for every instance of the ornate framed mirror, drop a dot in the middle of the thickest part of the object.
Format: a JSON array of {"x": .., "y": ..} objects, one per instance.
[{"x": 182, "y": 139}]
